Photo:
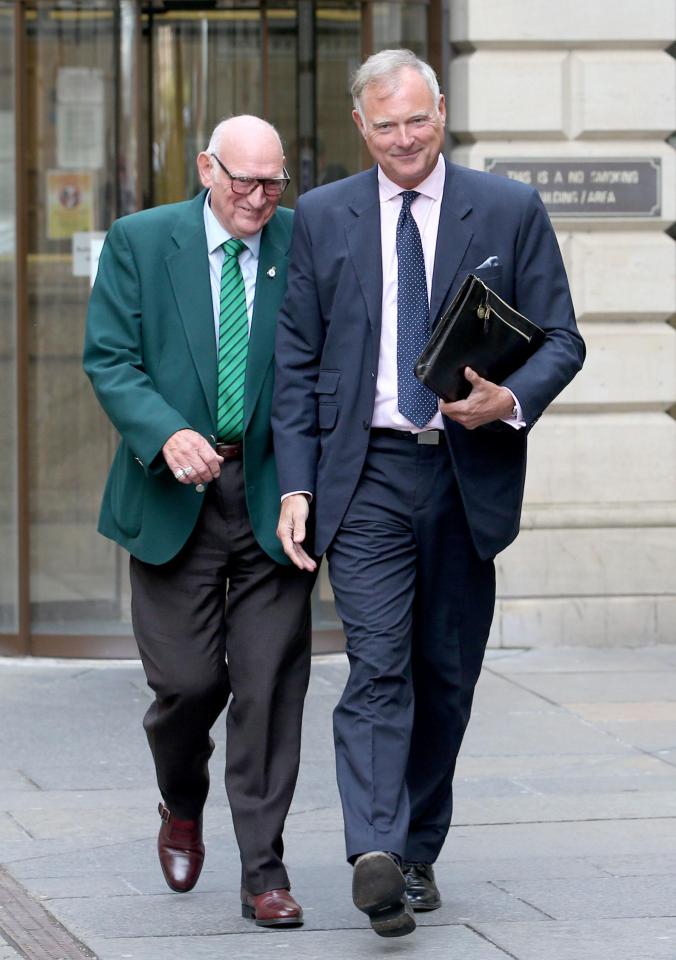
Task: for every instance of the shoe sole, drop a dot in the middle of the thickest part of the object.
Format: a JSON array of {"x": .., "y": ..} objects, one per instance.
[
  {"x": 250, "y": 914},
  {"x": 379, "y": 891}
]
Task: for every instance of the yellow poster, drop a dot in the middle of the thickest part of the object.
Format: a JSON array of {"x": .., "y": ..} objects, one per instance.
[{"x": 70, "y": 203}]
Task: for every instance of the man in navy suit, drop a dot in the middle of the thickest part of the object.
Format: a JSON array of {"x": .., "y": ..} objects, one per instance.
[{"x": 411, "y": 498}]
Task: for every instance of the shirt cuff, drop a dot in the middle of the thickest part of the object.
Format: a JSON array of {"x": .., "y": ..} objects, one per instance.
[
  {"x": 516, "y": 420},
  {"x": 294, "y": 493}
]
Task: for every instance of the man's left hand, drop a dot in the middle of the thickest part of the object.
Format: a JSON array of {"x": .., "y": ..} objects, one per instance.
[{"x": 486, "y": 402}]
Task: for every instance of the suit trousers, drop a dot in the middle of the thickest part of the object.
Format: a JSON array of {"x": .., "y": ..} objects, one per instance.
[
  {"x": 416, "y": 603},
  {"x": 223, "y": 622}
]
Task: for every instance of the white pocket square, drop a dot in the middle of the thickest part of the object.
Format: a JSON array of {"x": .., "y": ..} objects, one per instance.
[{"x": 489, "y": 262}]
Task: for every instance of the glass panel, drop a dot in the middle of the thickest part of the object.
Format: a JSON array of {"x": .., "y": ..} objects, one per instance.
[
  {"x": 281, "y": 99},
  {"x": 8, "y": 453},
  {"x": 338, "y": 56},
  {"x": 207, "y": 65},
  {"x": 400, "y": 25},
  {"x": 71, "y": 122}
]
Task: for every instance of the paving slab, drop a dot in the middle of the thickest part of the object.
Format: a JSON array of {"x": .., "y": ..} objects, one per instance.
[
  {"x": 552, "y": 807},
  {"x": 496, "y": 692},
  {"x": 617, "y": 687},
  {"x": 106, "y": 800},
  {"x": 328, "y": 907},
  {"x": 580, "y": 838},
  {"x": 563, "y": 845},
  {"x": 11, "y": 831},
  {"x": 435, "y": 943},
  {"x": 15, "y": 780},
  {"x": 528, "y": 867},
  {"x": 145, "y": 881},
  {"x": 644, "y": 939},
  {"x": 44, "y": 821},
  {"x": 586, "y": 659},
  {"x": 573, "y": 767},
  {"x": 545, "y": 729},
  {"x": 114, "y": 859},
  {"x": 7, "y": 952},
  {"x": 595, "y": 898},
  {"x": 667, "y": 653},
  {"x": 628, "y": 712},
  {"x": 655, "y": 865}
]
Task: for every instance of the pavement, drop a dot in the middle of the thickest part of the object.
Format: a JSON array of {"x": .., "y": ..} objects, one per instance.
[{"x": 563, "y": 845}]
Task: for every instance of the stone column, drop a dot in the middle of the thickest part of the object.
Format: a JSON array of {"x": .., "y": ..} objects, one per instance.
[{"x": 583, "y": 85}]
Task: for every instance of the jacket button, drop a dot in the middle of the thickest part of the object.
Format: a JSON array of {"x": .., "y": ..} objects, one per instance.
[{"x": 366, "y": 425}]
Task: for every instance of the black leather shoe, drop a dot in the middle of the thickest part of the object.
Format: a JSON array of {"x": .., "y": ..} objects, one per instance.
[
  {"x": 379, "y": 891},
  {"x": 421, "y": 889}
]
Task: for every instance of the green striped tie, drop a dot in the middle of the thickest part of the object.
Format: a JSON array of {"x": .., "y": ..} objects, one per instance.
[{"x": 233, "y": 342}]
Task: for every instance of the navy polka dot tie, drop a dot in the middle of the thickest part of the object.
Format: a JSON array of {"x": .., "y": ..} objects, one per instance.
[{"x": 416, "y": 401}]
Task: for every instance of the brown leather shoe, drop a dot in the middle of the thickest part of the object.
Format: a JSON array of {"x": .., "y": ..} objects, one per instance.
[
  {"x": 275, "y": 908},
  {"x": 181, "y": 850}
]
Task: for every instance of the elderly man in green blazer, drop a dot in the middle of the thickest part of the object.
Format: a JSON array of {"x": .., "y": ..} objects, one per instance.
[{"x": 179, "y": 349}]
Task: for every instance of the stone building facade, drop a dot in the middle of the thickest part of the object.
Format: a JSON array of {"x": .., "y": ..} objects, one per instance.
[
  {"x": 109, "y": 100},
  {"x": 589, "y": 91}
]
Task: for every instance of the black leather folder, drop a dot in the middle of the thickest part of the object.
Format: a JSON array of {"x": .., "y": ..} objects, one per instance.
[{"x": 478, "y": 330}]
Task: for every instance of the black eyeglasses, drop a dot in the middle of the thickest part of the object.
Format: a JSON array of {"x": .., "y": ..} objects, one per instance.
[{"x": 273, "y": 187}]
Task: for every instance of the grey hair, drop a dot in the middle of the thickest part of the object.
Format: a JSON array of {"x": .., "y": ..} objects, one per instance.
[{"x": 385, "y": 67}]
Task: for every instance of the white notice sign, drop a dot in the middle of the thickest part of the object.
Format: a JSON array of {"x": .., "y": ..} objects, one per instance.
[
  {"x": 82, "y": 250},
  {"x": 95, "y": 248},
  {"x": 80, "y": 114}
]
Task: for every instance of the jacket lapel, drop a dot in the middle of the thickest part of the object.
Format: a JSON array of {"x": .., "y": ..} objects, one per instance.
[
  {"x": 188, "y": 269},
  {"x": 453, "y": 239},
  {"x": 270, "y": 288},
  {"x": 363, "y": 241},
  {"x": 363, "y": 238}
]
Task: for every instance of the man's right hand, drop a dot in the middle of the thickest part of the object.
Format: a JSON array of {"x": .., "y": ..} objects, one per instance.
[
  {"x": 291, "y": 530},
  {"x": 191, "y": 458}
]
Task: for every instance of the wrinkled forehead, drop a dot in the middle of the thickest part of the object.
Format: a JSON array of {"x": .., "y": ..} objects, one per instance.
[
  {"x": 255, "y": 151},
  {"x": 252, "y": 160}
]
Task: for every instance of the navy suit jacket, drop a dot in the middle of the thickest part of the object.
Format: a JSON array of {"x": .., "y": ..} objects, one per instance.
[{"x": 328, "y": 336}]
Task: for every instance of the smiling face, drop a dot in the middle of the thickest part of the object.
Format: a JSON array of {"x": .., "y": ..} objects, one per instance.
[
  {"x": 402, "y": 127},
  {"x": 248, "y": 148}
]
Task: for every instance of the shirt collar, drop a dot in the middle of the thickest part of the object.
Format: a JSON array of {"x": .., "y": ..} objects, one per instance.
[
  {"x": 432, "y": 186},
  {"x": 217, "y": 234}
]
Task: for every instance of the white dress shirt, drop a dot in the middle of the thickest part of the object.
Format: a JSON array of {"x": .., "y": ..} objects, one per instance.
[
  {"x": 426, "y": 210},
  {"x": 248, "y": 262}
]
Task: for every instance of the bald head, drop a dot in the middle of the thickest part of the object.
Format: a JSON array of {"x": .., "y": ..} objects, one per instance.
[
  {"x": 243, "y": 146},
  {"x": 245, "y": 128}
]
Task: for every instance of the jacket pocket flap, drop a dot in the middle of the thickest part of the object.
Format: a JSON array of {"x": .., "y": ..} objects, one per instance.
[{"x": 327, "y": 382}]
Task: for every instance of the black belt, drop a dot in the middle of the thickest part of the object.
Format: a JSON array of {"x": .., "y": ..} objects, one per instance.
[
  {"x": 229, "y": 451},
  {"x": 432, "y": 437}
]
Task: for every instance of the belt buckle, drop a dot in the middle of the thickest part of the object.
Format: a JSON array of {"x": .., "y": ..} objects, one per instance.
[{"x": 429, "y": 437}]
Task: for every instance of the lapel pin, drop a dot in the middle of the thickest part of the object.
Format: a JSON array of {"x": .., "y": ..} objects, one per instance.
[{"x": 272, "y": 272}]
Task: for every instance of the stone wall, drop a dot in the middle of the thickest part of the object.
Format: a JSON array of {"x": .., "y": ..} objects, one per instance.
[{"x": 595, "y": 560}]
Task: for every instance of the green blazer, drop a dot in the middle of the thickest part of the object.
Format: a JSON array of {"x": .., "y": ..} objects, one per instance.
[{"x": 150, "y": 353}]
